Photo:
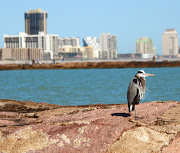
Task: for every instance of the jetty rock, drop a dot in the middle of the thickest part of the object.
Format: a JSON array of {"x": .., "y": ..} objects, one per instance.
[
  {"x": 90, "y": 65},
  {"x": 29, "y": 127}
]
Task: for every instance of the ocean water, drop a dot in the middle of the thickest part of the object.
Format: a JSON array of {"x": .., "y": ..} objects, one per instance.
[{"x": 86, "y": 86}]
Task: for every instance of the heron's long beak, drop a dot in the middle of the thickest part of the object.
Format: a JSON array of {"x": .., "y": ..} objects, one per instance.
[{"x": 147, "y": 74}]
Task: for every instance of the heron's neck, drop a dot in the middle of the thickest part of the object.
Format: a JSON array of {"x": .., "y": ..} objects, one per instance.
[{"x": 143, "y": 82}]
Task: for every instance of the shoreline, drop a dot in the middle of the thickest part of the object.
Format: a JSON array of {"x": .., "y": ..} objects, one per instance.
[{"x": 92, "y": 65}]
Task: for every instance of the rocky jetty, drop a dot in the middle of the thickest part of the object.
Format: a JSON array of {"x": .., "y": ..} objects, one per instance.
[
  {"x": 91, "y": 65},
  {"x": 31, "y": 127}
]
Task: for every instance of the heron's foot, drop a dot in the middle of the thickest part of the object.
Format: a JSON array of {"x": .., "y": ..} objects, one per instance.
[{"x": 137, "y": 117}]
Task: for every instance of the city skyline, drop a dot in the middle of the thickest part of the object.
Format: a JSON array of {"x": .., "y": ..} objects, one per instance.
[{"x": 128, "y": 20}]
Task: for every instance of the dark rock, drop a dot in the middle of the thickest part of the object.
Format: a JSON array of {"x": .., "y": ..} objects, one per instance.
[{"x": 91, "y": 65}]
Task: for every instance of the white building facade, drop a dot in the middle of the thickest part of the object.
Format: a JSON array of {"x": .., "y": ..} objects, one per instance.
[
  {"x": 108, "y": 46},
  {"x": 48, "y": 42},
  {"x": 170, "y": 43},
  {"x": 145, "y": 47},
  {"x": 94, "y": 43},
  {"x": 69, "y": 41}
]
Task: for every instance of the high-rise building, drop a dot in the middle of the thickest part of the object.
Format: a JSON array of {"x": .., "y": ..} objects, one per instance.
[
  {"x": 108, "y": 46},
  {"x": 103, "y": 42},
  {"x": 35, "y": 22},
  {"x": 170, "y": 43},
  {"x": 144, "y": 45}
]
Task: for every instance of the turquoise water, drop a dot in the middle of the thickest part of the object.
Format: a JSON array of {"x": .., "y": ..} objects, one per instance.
[{"x": 87, "y": 86}]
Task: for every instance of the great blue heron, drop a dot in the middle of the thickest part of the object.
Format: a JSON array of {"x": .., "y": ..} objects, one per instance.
[{"x": 136, "y": 89}]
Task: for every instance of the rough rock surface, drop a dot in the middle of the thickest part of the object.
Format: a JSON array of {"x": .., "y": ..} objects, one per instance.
[
  {"x": 41, "y": 127},
  {"x": 91, "y": 65}
]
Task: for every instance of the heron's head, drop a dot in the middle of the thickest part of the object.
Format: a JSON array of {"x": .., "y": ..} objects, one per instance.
[{"x": 142, "y": 74}]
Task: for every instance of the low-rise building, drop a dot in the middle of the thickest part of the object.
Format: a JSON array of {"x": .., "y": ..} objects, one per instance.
[
  {"x": 70, "y": 49},
  {"x": 69, "y": 52},
  {"x": 5, "y": 54},
  {"x": 88, "y": 52},
  {"x": 21, "y": 54}
]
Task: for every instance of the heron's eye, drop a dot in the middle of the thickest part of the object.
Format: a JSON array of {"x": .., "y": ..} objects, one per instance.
[
  {"x": 140, "y": 72},
  {"x": 135, "y": 81}
]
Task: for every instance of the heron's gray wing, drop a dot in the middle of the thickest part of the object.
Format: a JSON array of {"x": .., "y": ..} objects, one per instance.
[{"x": 133, "y": 96}]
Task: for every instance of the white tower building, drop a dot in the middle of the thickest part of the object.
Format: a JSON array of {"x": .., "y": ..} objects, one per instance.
[
  {"x": 170, "y": 43},
  {"x": 108, "y": 46}
]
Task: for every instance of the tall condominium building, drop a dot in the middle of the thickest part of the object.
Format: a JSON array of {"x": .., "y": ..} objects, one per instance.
[
  {"x": 35, "y": 22},
  {"x": 48, "y": 42},
  {"x": 170, "y": 43},
  {"x": 69, "y": 41},
  {"x": 144, "y": 45},
  {"x": 103, "y": 42},
  {"x": 108, "y": 46},
  {"x": 94, "y": 43}
]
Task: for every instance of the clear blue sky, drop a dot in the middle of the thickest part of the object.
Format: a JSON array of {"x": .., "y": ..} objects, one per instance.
[{"x": 128, "y": 19}]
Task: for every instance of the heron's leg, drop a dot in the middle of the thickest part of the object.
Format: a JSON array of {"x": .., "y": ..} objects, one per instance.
[
  {"x": 135, "y": 113},
  {"x": 136, "y": 117}
]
